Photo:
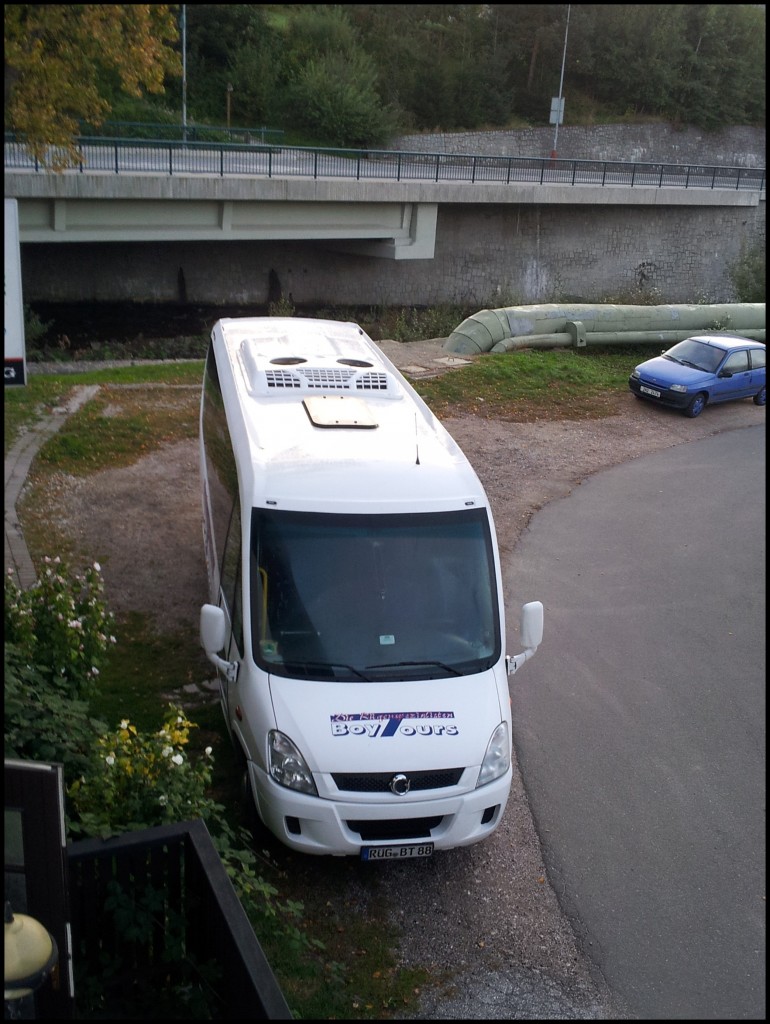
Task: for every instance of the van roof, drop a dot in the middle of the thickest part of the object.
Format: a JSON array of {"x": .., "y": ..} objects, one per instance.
[{"x": 322, "y": 420}]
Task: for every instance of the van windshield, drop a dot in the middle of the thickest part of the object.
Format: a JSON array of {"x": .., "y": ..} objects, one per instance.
[{"x": 373, "y": 597}]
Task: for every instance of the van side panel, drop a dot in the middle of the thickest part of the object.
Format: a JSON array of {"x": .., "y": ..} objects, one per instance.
[{"x": 220, "y": 476}]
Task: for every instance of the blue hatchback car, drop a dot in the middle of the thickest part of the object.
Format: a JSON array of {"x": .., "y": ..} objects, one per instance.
[{"x": 703, "y": 369}]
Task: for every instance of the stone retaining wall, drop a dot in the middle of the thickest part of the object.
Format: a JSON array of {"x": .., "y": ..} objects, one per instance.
[{"x": 742, "y": 146}]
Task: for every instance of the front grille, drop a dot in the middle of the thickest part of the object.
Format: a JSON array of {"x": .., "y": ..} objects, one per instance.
[
  {"x": 379, "y": 782},
  {"x": 404, "y": 828}
]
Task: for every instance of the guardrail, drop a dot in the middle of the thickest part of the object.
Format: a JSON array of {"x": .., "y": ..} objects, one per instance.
[
  {"x": 185, "y": 133},
  {"x": 153, "y": 156}
]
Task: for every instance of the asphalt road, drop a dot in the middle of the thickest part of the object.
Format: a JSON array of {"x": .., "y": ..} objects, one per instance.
[{"x": 640, "y": 725}]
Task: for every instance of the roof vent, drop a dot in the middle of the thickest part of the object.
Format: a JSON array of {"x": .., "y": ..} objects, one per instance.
[{"x": 296, "y": 374}]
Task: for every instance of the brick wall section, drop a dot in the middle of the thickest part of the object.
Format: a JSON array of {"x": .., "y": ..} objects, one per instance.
[{"x": 733, "y": 147}]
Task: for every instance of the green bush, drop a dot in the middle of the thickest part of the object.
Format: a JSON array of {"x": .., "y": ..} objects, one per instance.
[
  {"x": 426, "y": 324},
  {"x": 61, "y": 625},
  {"x": 35, "y": 329},
  {"x": 334, "y": 97},
  {"x": 137, "y": 781},
  {"x": 748, "y": 274},
  {"x": 42, "y": 722}
]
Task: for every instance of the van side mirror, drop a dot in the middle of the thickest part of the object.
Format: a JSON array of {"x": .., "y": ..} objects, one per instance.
[
  {"x": 213, "y": 629},
  {"x": 213, "y": 633},
  {"x": 532, "y": 624},
  {"x": 531, "y": 634}
]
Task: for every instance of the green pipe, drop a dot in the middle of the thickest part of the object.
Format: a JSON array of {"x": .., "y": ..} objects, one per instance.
[
  {"x": 563, "y": 324},
  {"x": 565, "y": 340}
]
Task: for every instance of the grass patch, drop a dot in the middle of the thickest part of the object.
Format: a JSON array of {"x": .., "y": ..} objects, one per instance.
[
  {"x": 146, "y": 670},
  {"x": 121, "y": 425},
  {"x": 532, "y": 384},
  {"x": 43, "y": 393}
]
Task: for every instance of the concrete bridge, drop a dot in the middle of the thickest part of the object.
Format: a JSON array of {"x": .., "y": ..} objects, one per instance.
[{"x": 575, "y": 230}]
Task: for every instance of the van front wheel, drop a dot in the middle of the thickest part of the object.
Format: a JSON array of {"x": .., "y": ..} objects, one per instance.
[{"x": 251, "y": 817}]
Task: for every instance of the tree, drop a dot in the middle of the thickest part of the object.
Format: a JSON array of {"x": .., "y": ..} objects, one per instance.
[{"x": 62, "y": 61}]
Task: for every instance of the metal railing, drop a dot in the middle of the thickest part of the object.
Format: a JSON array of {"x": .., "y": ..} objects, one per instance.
[
  {"x": 154, "y": 156},
  {"x": 186, "y": 133},
  {"x": 196, "y": 920}
]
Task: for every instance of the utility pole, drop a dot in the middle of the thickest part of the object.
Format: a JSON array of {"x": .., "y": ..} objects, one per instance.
[
  {"x": 184, "y": 72},
  {"x": 560, "y": 109}
]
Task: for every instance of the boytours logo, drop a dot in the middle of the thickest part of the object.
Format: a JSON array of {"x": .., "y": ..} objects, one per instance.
[{"x": 382, "y": 724}]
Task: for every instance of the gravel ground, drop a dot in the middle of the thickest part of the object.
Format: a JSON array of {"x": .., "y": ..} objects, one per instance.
[{"x": 484, "y": 919}]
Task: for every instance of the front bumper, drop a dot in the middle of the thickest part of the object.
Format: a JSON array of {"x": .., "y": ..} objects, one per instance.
[
  {"x": 321, "y": 826},
  {"x": 660, "y": 395}
]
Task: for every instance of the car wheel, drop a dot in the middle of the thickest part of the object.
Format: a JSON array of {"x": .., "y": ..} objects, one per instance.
[
  {"x": 696, "y": 406},
  {"x": 761, "y": 396}
]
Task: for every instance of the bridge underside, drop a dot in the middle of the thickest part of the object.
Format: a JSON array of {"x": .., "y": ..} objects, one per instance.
[{"x": 390, "y": 230}]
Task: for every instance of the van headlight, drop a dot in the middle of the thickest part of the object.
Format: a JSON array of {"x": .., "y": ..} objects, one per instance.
[
  {"x": 636, "y": 375},
  {"x": 497, "y": 759},
  {"x": 678, "y": 387},
  {"x": 287, "y": 766}
]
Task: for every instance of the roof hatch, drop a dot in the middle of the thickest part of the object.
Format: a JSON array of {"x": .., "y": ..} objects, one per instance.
[{"x": 338, "y": 411}]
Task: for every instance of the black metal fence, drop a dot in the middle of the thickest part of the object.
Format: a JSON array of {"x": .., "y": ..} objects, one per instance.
[
  {"x": 156, "y": 156},
  {"x": 154, "y": 915},
  {"x": 186, "y": 133}
]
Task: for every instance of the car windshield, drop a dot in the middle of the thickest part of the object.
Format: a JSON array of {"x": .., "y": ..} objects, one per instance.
[
  {"x": 697, "y": 354},
  {"x": 373, "y": 597}
]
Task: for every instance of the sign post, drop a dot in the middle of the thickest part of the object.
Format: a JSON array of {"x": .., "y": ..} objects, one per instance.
[
  {"x": 15, "y": 368},
  {"x": 557, "y": 103}
]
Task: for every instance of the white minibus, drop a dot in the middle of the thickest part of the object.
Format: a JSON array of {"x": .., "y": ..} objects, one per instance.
[{"x": 355, "y": 612}]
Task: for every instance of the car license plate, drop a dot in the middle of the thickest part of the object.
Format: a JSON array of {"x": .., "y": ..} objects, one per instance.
[
  {"x": 649, "y": 391},
  {"x": 397, "y": 852}
]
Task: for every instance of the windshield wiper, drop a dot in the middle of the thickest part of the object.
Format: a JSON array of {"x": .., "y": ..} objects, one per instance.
[
  {"x": 672, "y": 358},
  {"x": 695, "y": 366},
  {"x": 327, "y": 667},
  {"x": 417, "y": 664}
]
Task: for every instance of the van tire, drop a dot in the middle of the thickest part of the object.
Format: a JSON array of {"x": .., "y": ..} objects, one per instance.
[
  {"x": 761, "y": 396},
  {"x": 251, "y": 818}
]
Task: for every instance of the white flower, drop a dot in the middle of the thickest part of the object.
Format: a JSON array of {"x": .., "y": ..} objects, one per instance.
[
  {"x": 177, "y": 759},
  {"x": 97, "y": 567},
  {"x": 166, "y": 752},
  {"x": 110, "y": 759},
  {"x": 123, "y": 721},
  {"x": 163, "y": 800},
  {"x": 95, "y": 672},
  {"x": 208, "y": 751}
]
